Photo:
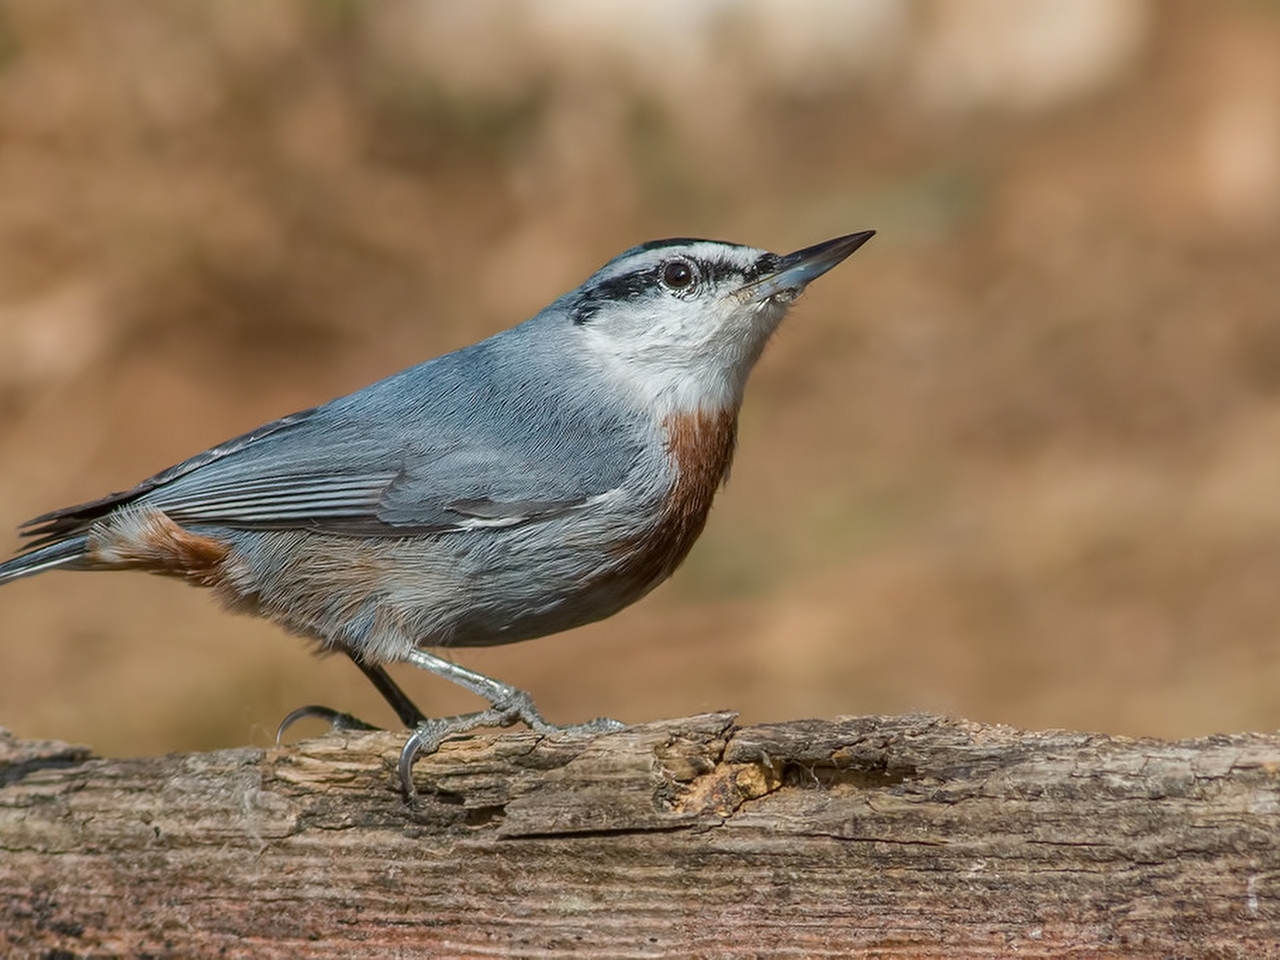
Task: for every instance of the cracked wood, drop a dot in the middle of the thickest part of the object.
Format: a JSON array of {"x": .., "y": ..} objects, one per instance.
[{"x": 900, "y": 836}]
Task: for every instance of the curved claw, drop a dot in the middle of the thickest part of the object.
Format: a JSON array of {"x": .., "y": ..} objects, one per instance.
[
  {"x": 428, "y": 735},
  {"x": 425, "y": 739},
  {"x": 337, "y": 720}
]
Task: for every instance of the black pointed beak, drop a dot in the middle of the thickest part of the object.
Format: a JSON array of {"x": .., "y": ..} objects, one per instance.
[{"x": 795, "y": 271}]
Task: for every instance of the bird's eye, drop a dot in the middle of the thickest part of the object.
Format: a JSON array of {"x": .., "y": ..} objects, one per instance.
[{"x": 678, "y": 274}]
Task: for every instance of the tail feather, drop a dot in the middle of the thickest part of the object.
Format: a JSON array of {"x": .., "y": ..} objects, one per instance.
[{"x": 67, "y": 553}]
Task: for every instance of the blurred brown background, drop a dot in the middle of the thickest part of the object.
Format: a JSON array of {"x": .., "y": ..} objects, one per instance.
[{"x": 1018, "y": 459}]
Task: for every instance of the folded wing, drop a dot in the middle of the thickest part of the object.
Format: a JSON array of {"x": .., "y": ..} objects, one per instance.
[{"x": 359, "y": 468}]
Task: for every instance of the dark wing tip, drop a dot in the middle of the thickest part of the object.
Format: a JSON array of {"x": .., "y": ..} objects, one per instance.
[
  {"x": 79, "y": 513},
  {"x": 59, "y": 524}
]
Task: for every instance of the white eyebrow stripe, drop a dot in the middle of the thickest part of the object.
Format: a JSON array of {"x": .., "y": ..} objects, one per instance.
[{"x": 740, "y": 257}]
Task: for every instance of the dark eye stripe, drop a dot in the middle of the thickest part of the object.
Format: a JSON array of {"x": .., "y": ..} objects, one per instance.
[
  {"x": 628, "y": 286},
  {"x": 649, "y": 281}
]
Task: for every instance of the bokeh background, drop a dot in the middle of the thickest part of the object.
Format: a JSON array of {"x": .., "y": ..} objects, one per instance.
[{"x": 1017, "y": 460}]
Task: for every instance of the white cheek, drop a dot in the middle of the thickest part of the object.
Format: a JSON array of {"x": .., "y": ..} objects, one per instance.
[
  {"x": 663, "y": 377},
  {"x": 688, "y": 359}
]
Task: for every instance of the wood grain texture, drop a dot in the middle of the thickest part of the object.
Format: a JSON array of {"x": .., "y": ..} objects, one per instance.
[{"x": 895, "y": 836}]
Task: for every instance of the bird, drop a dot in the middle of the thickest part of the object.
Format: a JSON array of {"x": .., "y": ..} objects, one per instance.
[{"x": 540, "y": 479}]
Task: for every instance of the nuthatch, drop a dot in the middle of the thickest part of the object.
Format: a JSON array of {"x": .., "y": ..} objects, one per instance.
[{"x": 538, "y": 480}]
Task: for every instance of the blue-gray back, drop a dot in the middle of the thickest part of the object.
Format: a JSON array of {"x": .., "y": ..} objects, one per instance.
[{"x": 503, "y": 431}]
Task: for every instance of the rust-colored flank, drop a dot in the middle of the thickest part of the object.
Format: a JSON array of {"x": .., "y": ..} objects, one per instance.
[{"x": 151, "y": 541}]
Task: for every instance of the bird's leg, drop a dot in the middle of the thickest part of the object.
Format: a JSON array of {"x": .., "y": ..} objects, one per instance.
[
  {"x": 507, "y": 700},
  {"x": 405, "y": 708},
  {"x": 507, "y": 705}
]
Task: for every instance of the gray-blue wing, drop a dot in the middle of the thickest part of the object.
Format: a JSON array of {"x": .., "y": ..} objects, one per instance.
[
  {"x": 374, "y": 481},
  {"x": 391, "y": 460},
  {"x": 456, "y": 490}
]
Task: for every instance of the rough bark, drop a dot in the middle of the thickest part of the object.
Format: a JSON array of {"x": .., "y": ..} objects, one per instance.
[{"x": 896, "y": 836}]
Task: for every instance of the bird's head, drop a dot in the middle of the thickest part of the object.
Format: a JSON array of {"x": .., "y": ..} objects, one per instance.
[{"x": 683, "y": 321}]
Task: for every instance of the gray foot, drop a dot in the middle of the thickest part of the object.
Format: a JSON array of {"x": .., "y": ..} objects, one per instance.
[{"x": 516, "y": 708}]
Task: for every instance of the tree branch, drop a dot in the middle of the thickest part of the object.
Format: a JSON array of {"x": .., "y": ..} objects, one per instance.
[{"x": 900, "y": 835}]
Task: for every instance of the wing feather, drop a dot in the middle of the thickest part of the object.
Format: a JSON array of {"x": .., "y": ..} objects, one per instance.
[
  {"x": 476, "y": 438},
  {"x": 263, "y": 499}
]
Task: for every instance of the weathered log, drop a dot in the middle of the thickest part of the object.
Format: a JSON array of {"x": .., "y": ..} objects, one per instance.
[{"x": 899, "y": 836}]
